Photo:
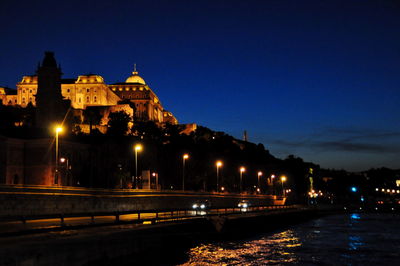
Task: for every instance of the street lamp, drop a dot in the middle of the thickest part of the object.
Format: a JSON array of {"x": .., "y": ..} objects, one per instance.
[
  {"x": 58, "y": 130},
  {"x": 65, "y": 160},
  {"x": 241, "y": 170},
  {"x": 218, "y": 164},
  {"x": 184, "y": 158},
  {"x": 137, "y": 148},
  {"x": 272, "y": 184},
  {"x": 259, "y": 174},
  {"x": 283, "y": 179}
]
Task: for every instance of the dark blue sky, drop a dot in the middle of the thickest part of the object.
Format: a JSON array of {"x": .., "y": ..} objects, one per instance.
[{"x": 317, "y": 79}]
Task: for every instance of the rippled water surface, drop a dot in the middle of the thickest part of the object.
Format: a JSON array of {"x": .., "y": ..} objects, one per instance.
[{"x": 351, "y": 239}]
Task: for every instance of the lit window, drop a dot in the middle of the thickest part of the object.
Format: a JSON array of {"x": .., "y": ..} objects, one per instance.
[{"x": 113, "y": 89}]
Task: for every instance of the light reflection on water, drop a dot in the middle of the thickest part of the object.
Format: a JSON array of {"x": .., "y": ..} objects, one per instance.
[{"x": 352, "y": 239}]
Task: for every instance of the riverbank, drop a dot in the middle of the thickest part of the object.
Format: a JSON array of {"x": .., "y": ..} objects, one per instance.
[{"x": 115, "y": 245}]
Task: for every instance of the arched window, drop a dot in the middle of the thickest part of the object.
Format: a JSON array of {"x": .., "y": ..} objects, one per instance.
[{"x": 95, "y": 99}]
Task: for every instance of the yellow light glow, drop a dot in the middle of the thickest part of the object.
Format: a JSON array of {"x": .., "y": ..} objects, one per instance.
[
  {"x": 259, "y": 173},
  {"x": 138, "y": 147},
  {"x": 59, "y": 129},
  {"x": 272, "y": 176},
  {"x": 242, "y": 169},
  {"x": 186, "y": 156},
  {"x": 62, "y": 160},
  {"x": 218, "y": 163},
  {"x": 283, "y": 178}
]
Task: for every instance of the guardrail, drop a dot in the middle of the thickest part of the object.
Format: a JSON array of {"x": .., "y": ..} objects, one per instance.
[{"x": 10, "y": 225}]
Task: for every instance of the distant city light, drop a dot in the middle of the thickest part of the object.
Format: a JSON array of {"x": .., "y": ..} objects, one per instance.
[{"x": 353, "y": 189}]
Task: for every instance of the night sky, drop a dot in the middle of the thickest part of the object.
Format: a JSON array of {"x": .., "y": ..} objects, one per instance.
[{"x": 317, "y": 79}]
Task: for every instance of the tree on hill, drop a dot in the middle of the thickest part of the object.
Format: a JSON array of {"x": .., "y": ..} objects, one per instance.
[
  {"x": 92, "y": 117},
  {"x": 118, "y": 123}
]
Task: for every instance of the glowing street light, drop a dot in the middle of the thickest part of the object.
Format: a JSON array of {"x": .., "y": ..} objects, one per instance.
[
  {"x": 241, "y": 170},
  {"x": 283, "y": 179},
  {"x": 58, "y": 130},
  {"x": 218, "y": 164},
  {"x": 272, "y": 184},
  {"x": 67, "y": 168},
  {"x": 259, "y": 174},
  {"x": 137, "y": 148},
  {"x": 184, "y": 158}
]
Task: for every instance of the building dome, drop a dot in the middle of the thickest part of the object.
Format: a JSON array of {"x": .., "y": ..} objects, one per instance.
[{"x": 135, "y": 78}]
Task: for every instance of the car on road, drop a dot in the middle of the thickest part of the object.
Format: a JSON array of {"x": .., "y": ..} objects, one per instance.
[
  {"x": 201, "y": 205},
  {"x": 243, "y": 205}
]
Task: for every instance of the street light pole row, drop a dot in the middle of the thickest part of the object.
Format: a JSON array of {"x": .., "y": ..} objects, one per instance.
[{"x": 139, "y": 147}]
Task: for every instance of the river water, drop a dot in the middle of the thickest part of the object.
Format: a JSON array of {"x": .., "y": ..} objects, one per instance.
[{"x": 345, "y": 239}]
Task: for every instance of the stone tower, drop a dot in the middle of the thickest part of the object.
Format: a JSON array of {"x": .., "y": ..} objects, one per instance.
[{"x": 49, "y": 101}]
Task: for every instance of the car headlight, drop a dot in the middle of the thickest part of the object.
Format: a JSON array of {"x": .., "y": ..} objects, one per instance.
[
  {"x": 202, "y": 206},
  {"x": 195, "y": 206}
]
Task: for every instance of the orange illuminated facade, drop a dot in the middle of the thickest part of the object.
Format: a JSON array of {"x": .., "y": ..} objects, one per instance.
[{"x": 91, "y": 90}]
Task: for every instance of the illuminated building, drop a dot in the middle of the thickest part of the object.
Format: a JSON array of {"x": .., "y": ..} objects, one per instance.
[{"x": 87, "y": 91}]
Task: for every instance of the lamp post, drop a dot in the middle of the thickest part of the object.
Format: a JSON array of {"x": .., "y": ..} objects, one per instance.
[
  {"x": 218, "y": 164},
  {"x": 137, "y": 148},
  {"x": 272, "y": 184},
  {"x": 58, "y": 130},
  {"x": 259, "y": 174},
  {"x": 283, "y": 179},
  {"x": 241, "y": 170},
  {"x": 184, "y": 158},
  {"x": 65, "y": 160}
]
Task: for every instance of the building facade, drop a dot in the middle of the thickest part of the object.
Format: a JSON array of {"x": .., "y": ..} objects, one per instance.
[{"x": 91, "y": 90}]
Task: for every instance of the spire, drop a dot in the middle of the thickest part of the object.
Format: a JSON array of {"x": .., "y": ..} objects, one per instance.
[{"x": 134, "y": 69}]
